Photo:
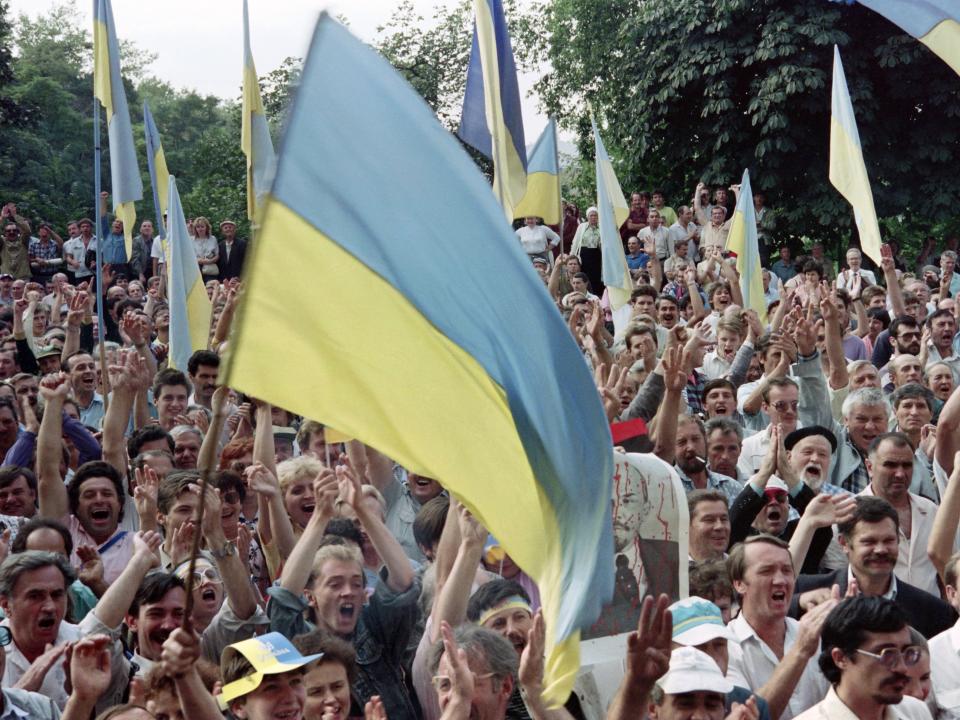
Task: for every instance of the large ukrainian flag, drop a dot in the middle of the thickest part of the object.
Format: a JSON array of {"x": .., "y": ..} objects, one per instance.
[
  {"x": 848, "y": 173},
  {"x": 613, "y": 209},
  {"x": 254, "y": 130},
  {"x": 742, "y": 240},
  {"x": 491, "y": 120},
  {"x": 126, "y": 186},
  {"x": 442, "y": 351},
  {"x": 157, "y": 165},
  {"x": 935, "y": 23},
  {"x": 190, "y": 309},
  {"x": 542, "y": 198}
]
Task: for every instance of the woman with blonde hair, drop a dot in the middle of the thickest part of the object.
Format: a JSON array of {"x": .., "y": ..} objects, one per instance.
[{"x": 206, "y": 247}]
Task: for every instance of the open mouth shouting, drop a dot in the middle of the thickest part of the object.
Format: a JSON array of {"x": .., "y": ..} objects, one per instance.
[
  {"x": 100, "y": 516},
  {"x": 47, "y": 626}
]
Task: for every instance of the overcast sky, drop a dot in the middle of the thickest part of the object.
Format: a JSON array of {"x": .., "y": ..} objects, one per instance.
[{"x": 199, "y": 43}]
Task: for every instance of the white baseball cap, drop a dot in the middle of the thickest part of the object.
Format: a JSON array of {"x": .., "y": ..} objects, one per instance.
[
  {"x": 693, "y": 671},
  {"x": 696, "y": 621},
  {"x": 775, "y": 483}
]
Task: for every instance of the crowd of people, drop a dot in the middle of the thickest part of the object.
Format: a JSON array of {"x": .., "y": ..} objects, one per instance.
[{"x": 816, "y": 446}]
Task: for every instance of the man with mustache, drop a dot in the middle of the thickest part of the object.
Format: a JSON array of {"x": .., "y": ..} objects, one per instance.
[
  {"x": 890, "y": 464},
  {"x": 870, "y": 540},
  {"x": 865, "y": 654}
]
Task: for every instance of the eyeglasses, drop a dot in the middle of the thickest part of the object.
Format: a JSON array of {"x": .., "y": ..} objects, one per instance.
[
  {"x": 908, "y": 335},
  {"x": 207, "y": 575},
  {"x": 783, "y": 405},
  {"x": 891, "y": 657},
  {"x": 443, "y": 683},
  {"x": 6, "y": 637}
]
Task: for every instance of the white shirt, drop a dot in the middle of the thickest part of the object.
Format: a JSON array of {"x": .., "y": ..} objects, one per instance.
[
  {"x": 662, "y": 240},
  {"x": 55, "y": 681},
  {"x": 75, "y": 249},
  {"x": 945, "y": 667},
  {"x": 845, "y": 280},
  {"x": 833, "y": 708},
  {"x": 758, "y": 661},
  {"x": 913, "y": 563},
  {"x": 534, "y": 239},
  {"x": 715, "y": 366}
]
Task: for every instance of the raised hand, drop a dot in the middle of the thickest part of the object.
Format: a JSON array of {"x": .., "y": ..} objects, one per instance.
[
  {"x": 91, "y": 566},
  {"x": 471, "y": 529},
  {"x": 674, "y": 372},
  {"x": 33, "y": 678},
  {"x": 145, "y": 491},
  {"x": 89, "y": 667},
  {"x": 146, "y": 544},
  {"x": 350, "y": 487},
  {"x": 55, "y": 386},
  {"x": 531, "y": 659},
  {"x": 648, "y": 648},
  {"x": 181, "y": 650},
  {"x": 326, "y": 488},
  {"x": 262, "y": 481}
]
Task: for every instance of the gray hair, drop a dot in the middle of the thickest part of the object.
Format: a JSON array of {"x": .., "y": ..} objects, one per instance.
[
  {"x": 949, "y": 254},
  {"x": 857, "y": 364},
  {"x": 725, "y": 425},
  {"x": 478, "y": 642},
  {"x": 183, "y": 429},
  {"x": 872, "y": 397},
  {"x": 19, "y": 563}
]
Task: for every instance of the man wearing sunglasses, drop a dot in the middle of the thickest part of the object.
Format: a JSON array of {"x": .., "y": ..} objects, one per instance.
[{"x": 865, "y": 654}]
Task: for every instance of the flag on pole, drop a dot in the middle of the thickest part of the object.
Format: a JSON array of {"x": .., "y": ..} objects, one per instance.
[
  {"x": 542, "y": 198},
  {"x": 515, "y": 429},
  {"x": 126, "y": 186},
  {"x": 742, "y": 240},
  {"x": 613, "y": 209},
  {"x": 190, "y": 309},
  {"x": 848, "y": 173},
  {"x": 491, "y": 121},
  {"x": 935, "y": 23},
  {"x": 254, "y": 130},
  {"x": 157, "y": 165}
]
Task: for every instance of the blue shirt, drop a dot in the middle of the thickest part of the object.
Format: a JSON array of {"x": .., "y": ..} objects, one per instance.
[{"x": 638, "y": 261}]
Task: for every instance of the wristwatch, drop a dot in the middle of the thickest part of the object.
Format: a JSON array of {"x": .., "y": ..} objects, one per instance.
[{"x": 228, "y": 549}]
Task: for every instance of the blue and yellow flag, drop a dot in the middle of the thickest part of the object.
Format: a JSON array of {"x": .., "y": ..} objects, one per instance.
[
  {"x": 254, "y": 130},
  {"x": 742, "y": 240},
  {"x": 491, "y": 120},
  {"x": 157, "y": 165},
  {"x": 542, "y": 198},
  {"x": 613, "y": 209},
  {"x": 126, "y": 186},
  {"x": 190, "y": 308},
  {"x": 848, "y": 172},
  {"x": 935, "y": 23},
  {"x": 483, "y": 386}
]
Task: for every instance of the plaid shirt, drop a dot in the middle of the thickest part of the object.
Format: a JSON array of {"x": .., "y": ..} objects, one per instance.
[
  {"x": 694, "y": 391},
  {"x": 38, "y": 249},
  {"x": 858, "y": 480},
  {"x": 715, "y": 481}
]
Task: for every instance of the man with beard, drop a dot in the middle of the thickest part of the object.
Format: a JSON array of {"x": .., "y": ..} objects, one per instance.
[
  {"x": 905, "y": 334},
  {"x": 870, "y": 542},
  {"x": 890, "y": 464},
  {"x": 865, "y": 652},
  {"x": 764, "y": 505}
]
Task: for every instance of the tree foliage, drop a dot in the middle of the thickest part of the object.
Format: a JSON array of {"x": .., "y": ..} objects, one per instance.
[{"x": 692, "y": 90}]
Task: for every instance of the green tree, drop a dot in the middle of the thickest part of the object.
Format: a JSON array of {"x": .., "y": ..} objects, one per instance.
[{"x": 693, "y": 90}]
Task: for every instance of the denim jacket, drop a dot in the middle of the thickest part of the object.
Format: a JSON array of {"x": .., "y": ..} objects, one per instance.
[{"x": 380, "y": 638}]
